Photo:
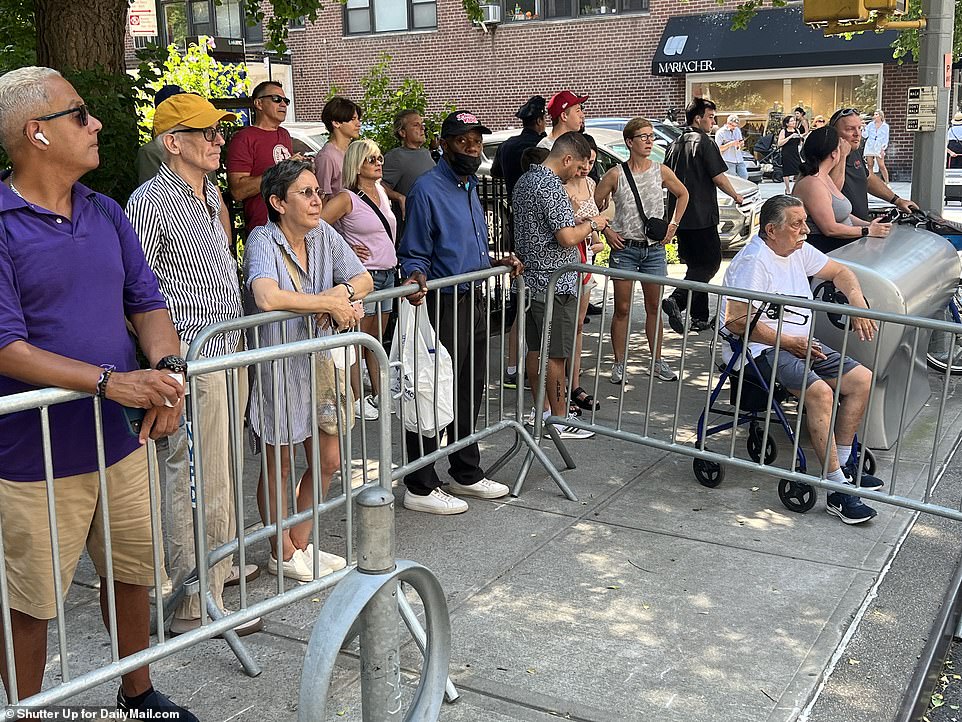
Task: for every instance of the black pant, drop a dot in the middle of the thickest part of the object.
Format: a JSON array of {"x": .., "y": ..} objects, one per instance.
[
  {"x": 700, "y": 249},
  {"x": 466, "y": 463}
]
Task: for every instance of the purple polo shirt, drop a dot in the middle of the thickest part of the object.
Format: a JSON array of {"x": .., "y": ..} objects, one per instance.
[{"x": 66, "y": 286}]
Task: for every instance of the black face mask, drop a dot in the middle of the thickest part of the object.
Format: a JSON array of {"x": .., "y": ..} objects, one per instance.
[{"x": 463, "y": 164}]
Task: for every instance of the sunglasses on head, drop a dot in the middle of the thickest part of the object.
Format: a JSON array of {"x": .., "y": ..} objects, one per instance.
[
  {"x": 275, "y": 98},
  {"x": 210, "y": 134},
  {"x": 843, "y": 113},
  {"x": 83, "y": 115}
]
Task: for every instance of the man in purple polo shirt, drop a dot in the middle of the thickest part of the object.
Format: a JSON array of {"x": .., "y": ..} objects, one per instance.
[{"x": 71, "y": 273}]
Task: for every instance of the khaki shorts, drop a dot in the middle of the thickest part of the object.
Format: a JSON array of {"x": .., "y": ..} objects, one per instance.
[
  {"x": 564, "y": 324},
  {"x": 26, "y": 532}
]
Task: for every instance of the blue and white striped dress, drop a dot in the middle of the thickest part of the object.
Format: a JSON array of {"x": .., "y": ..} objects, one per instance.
[{"x": 330, "y": 261}]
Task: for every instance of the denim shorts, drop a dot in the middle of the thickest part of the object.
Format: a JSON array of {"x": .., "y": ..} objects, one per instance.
[
  {"x": 382, "y": 279},
  {"x": 790, "y": 371},
  {"x": 650, "y": 259}
]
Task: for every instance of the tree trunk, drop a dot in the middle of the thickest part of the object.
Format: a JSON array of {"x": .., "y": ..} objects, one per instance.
[{"x": 81, "y": 34}]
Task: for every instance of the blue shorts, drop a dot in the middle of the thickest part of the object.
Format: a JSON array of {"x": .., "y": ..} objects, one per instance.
[
  {"x": 382, "y": 279},
  {"x": 790, "y": 371},
  {"x": 642, "y": 259}
]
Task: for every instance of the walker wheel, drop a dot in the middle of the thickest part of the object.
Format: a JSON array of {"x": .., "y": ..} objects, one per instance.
[
  {"x": 755, "y": 445},
  {"x": 796, "y": 496},
  {"x": 708, "y": 473}
]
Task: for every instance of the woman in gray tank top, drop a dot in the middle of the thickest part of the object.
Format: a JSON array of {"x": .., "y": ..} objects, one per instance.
[
  {"x": 830, "y": 220},
  {"x": 632, "y": 250}
]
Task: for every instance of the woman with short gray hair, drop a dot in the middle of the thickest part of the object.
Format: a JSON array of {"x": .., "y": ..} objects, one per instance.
[{"x": 297, "y": 263}]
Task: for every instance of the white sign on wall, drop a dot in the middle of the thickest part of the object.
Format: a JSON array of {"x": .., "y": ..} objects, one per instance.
[{"x": 142, "y": 18}]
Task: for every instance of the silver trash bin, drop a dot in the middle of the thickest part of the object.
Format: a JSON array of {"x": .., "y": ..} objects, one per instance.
[{"x": 912, "y": 272}]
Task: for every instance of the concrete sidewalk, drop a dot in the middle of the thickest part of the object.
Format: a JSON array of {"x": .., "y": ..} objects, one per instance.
[{"x": 651, "y": 597}]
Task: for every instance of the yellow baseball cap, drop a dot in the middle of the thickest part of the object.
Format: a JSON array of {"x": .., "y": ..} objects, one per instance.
[{"x": 189, "y": 110}]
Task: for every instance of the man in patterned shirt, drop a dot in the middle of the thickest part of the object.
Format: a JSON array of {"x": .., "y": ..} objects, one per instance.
[{"x": 547, "y": 237}]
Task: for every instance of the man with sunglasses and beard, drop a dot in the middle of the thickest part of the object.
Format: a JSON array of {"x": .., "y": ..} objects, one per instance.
[
  {"x": 850, "y": 174},
  {"x": 72, "y": 273},
  {"x": 256, "y": 148},
  {"x": 174, "y": 214},
  {"x": 446, "y": 234}
]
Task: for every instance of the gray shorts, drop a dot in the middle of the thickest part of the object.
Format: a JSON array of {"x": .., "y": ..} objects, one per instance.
[
  {"x": 790, "y": 370},
  {"x": 564, "y": 323}
]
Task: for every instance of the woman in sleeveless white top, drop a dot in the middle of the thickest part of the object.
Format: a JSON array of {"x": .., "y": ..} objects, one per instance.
[
  {"x": 830, "y": 219},
  {"x": 628, "y": 241}
]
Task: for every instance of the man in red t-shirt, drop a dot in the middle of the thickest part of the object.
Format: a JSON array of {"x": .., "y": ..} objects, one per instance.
[{"x": 256, "y": 148}]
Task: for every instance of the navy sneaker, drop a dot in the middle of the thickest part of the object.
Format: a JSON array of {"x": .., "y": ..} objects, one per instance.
[
  {"x": 850, "y": 509},
  {"x": 867, "y": 482},
  {"x": 675, "y": 320},
  {"x": 153, "y": 705},
  {"x": 510, "y": 380}
]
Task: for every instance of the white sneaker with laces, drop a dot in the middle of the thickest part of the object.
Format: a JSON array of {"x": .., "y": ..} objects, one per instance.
[
  {"x": 618, "y": 373},
  {"x": 663, "y": 371},
  {"x": 437, "y": 502},
  {"x": 573, "y": 432},
  {"x": 369, "y": 409},
  {"x": 300, "y": 567},
  {"x": 326, "y": 559},
  {"x": 484, "y": 489}
]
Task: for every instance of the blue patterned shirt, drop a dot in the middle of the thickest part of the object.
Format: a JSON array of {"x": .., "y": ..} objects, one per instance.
[{"x": 541, "y": 209}]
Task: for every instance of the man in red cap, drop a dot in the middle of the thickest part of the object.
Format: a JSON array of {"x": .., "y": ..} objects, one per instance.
[{"x": 566, "y": 115}]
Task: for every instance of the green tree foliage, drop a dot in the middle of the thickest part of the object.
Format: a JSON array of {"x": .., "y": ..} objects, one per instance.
[{"x": 381, "y": 103}]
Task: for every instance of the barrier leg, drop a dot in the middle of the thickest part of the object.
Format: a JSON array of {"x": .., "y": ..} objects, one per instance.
[
  {"x": 451, "y": 693},
  {"x": 251, "y": 668}
]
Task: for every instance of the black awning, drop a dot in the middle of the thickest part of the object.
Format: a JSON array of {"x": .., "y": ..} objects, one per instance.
[{"x": 776, "y": 38}]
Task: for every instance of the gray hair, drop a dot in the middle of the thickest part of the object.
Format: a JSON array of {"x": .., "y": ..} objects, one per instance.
[
  {"x": 773, "y": 211},
  {"x": 278, "y": 179},
  {"x": 23, "y": 95}
]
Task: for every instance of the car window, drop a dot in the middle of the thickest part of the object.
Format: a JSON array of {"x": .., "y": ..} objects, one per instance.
[
  {"x": 605, "y": 161},
  {"x": 490, "y": 150},
  {"x": 300, "y": 146}
]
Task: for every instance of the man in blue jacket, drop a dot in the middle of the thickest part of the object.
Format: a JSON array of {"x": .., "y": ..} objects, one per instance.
[{"x": 445, "y": 235}]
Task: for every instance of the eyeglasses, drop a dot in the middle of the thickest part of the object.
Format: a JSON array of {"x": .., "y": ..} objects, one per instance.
[
  {"x": 374, "y": 159},
  {"x": 309, "y": 192},
  {"x": 275, "y": 98},
  {"x": 210, "y": 134},
  {"x": 643, "y": 136},
  {"x": 843, "y": 113},
  {"x": 83, "y": 115}
]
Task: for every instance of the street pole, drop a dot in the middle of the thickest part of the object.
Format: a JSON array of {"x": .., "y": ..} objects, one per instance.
[{"x": 928, "y": 160}]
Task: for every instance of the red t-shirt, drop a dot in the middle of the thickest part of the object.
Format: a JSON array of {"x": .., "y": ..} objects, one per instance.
[{"x": 253, "y": 150}]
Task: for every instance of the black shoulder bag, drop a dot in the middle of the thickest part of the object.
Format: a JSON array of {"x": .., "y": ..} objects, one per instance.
[{"x": 655, "y": 228}]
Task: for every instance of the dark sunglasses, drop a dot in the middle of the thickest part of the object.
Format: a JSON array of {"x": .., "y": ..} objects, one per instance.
[
  {"x": 843, "y": 113},
  {"x": 275, "y": 98},
  {"x": 83, "y": 115},
  {"x": 374, "y": 159},
  {"x": 210, "y": 134}
]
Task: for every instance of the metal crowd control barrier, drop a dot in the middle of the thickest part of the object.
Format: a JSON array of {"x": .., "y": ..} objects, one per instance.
[
  {"x": 219, "y": 624},
  {"x": 652, "y": 416}
]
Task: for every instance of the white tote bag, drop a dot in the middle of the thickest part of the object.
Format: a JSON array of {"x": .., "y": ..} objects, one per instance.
[{"x": 418, "y": 397}]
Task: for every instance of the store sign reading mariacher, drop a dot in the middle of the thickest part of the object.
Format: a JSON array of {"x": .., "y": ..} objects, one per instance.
[{"x": 686, "y": 66}]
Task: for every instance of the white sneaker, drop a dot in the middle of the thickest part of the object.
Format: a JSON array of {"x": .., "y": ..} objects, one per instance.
[
  {"x": 370, "y": 408},
  {"x": 573, "y": 432},
  {"x": 529, "y": 419},
  {"x": 484, "y": 489},
  {"x": 300, "y": 567},
  {"x": 326, "y": 559},
  {"x": 182, "y": 626},
  {"x": 437, "y": 502},
  {"x": 663, "y": 371},
  {"x": 617, "y": 373}
]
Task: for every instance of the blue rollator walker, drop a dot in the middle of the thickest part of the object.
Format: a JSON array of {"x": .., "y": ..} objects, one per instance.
[{"x": 796, "y": 496}]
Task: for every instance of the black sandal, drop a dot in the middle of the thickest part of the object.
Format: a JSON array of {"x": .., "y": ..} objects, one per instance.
[{"x": 584, "y": 400}]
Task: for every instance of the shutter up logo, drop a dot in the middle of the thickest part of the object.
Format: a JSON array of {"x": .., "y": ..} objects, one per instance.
[{"x": 675, "y": 45}]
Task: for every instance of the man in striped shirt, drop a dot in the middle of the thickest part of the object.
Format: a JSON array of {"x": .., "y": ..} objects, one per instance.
[{"x": 175, "y": 215}]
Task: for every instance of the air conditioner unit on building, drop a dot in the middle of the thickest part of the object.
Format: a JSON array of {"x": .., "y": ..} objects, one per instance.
[{"x": 491, "y": 14}]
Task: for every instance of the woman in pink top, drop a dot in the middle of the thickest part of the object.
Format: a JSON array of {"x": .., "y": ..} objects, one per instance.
[{"x": 362, "y": 215}]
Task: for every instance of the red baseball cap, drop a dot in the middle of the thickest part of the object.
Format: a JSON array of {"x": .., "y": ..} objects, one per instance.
[{"x": 560, "y": 102}]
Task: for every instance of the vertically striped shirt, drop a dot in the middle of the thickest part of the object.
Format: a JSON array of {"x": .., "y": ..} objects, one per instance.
[{"x": 187, "y": 248}]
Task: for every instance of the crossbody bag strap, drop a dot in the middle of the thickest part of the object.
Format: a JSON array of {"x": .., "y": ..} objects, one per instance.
[
  {"x": 374, "y": 206},
  {"x": 634, "y": 190},
  {"x": 293, "y": 271}
]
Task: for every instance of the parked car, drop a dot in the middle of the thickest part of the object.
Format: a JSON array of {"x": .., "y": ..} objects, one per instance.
[
  {"x": 667, "y": 132},
  {"x": 736, "y": 223},
  {"x": 307, "y": 138}
]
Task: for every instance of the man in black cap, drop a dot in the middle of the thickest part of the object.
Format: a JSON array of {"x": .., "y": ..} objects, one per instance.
[
  {"x": 446, "y": 234},
  {"x": 507, "y": 161}
]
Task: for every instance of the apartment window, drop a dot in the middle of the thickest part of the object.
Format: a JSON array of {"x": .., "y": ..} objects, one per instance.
[
  {"x": 383, "y": 16},
  {"x": 526, "y": 10}
]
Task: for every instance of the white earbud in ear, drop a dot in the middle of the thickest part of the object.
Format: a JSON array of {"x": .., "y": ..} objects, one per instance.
[{"x": 41, "y": 137}]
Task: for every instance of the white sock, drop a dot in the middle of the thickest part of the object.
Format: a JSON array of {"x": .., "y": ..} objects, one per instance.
[
  {"x": 844, "y": 452},
  {"x": 512, "y": 369},
  {"x": 837, "y": 476},
  {"x": 546, "y": 413}
]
